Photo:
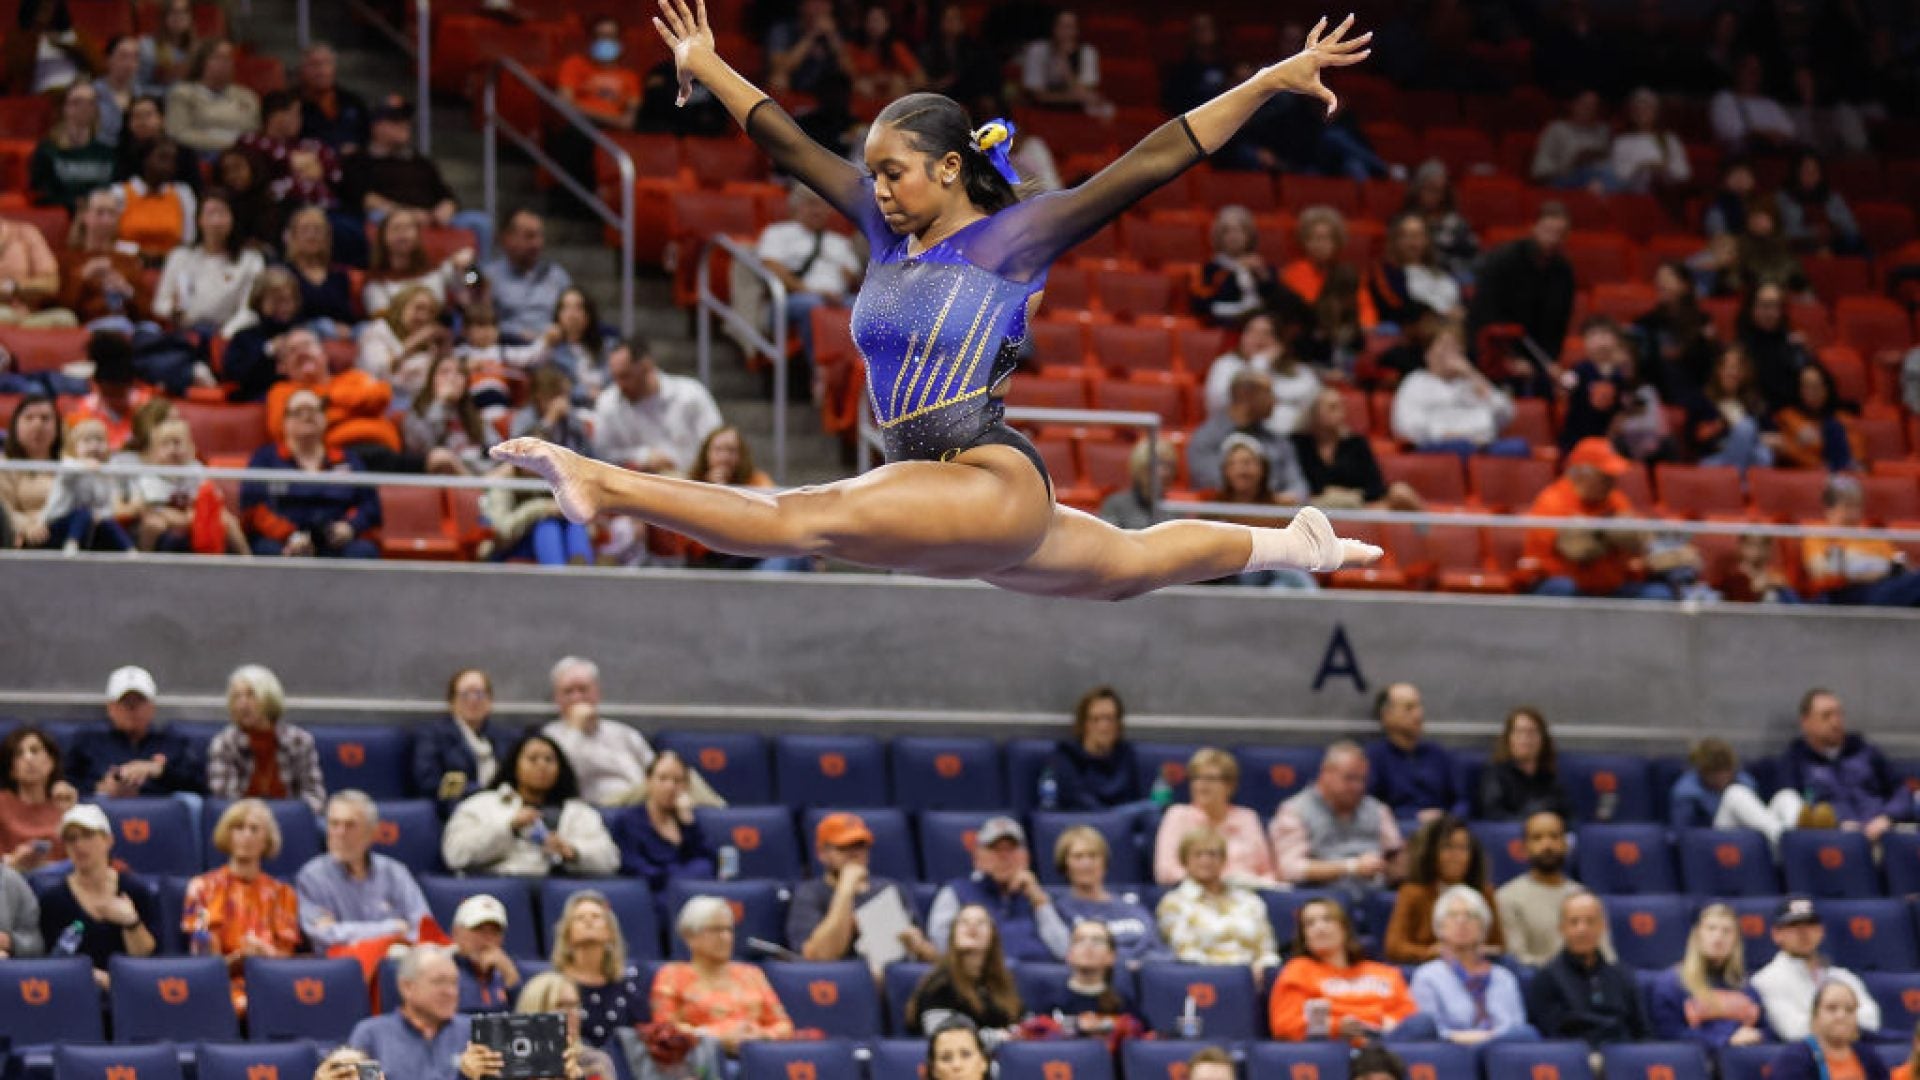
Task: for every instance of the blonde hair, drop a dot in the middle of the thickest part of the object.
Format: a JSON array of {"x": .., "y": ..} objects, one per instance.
[
  {"x": 1087, "y": 833},
  {"x": 1696, "y": 970},
  {"x": 613, "y": 960},
  {"x": 1231, "y": 216},
  {"x": 1315, "y": 216},
  {"x": 72, "y": 444},
  {"x": 1137, "y": 458},
  {"x": 265, "y": 686},
  {"x": 542, "y": 993},
  {"x": 1216, "y": 757},
  {"x": 1204, "y": 836},
  {"x": 235, "y": 814}
]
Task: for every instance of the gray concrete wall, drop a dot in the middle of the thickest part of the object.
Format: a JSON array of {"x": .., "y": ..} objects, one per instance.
[{"x": 753, "y": 650}]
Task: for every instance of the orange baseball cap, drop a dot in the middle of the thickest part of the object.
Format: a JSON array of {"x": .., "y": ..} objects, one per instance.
[
  {"x": 842, "y": 830},
  {"x": 1599, "y": 454}
]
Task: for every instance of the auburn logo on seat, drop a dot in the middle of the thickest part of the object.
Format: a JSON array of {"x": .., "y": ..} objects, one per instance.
[
  {"x": 263, "y": 1072},
  {"x": 35, "y": 991},
  {"x": 1517, "y": 850},
  {"x": 739, "y": 911},
  {"x": 824, "y": 992},
  {"x": 1174, "y": 771},
  {"x": 1642, "y": 923},
  {"x": 1728, "y": 855},
  {"x": 173, "y": 991},
  {"x": 947, "y": 765},
  {"x": 1546, "y": 1070},
  {"x": 1911, "y": 1000},
  {"x": 1303, "y": 1070},
  {"x": 1282, "y": 775},
  {"x": 1178, "y": 1071},
  {"x": 746, "y": 838},
  {"x": 309, "y": 991},
  {"x": 833, "y": 765},
  {"x": 1422, "y": 1070},
  {"x": 801, "y": 1070},
  {"x": 969, "y": 839},
  {"x": 1605, "y": 783},
  {"x": 1626, "y": 852},
  {"x": 135, "y": 830},
  {"x": 1832, "y": 858},
  {"x": 122, "y": 1072},
  {"x": 1861, "y": 927},
  {"x": 1752, "y": 925},
  {"x": 1057, "y": 1070},
  {"x": 387, "y": 833},
  {"x": 712, "y": 758},
  {"x": 352, "y": 754},
  {"x": 1659, "y": 1072}
]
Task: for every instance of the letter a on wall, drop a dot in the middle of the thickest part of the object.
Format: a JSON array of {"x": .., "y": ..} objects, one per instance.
[{"x": 1340, "y": 661}]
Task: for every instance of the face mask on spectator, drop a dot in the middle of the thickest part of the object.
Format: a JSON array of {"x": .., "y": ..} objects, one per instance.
[{"x": 604, "y": 51}]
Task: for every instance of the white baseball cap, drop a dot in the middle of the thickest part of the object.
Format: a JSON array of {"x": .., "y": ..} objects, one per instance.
[
  {"x": 131, "y": 680},
  {"x": 87, "y": 816},
  {"x": 479, "y": 910}
]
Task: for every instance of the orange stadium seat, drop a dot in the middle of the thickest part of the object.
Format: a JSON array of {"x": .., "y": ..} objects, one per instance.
[
  {"x": 1104, "y": 463},
  {"x": 1787, "y": 495},
  {"x": 1216, "y": 188},
  {"x": 229, "y": 432},
  {"x": 1167, "y": 399},
  {"x": 1463, "y": 562},
  {"x": 1033, "y": 392},
  {"x": 1892, "y": 499},
  {"x": 715, "y": 162},
  {"x": 413, "y": 524},
  {"x": 1881, "y": 437},
  {"x": 1157, "y": 242},
  {"x": 1873, "y": 325},
  {"x": 43, "y": 350},
  {"x": 1135, "y": 352},
  {"x": 1508, "y": 485},
  {"x": 1439, "y": 478},
  {"x": 1134, "y": 294},
  {"x": 1059, "y": 343},
  {"x": 1700, "y": 491}
]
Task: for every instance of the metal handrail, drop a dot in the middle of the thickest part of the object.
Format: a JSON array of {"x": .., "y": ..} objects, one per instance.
[
  {"x": 421, "y": 46},
  {"x": 775, "y": 347},
  {"x": 1151, "y": 422},
  {"x": 495, "y": 127}
]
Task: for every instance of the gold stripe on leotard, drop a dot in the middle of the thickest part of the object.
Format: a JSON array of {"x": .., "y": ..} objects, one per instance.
[
  {"x": 933, "y": 336},
  {"x": 981, "y": 349},
  {"x": 953, "y": 366},
  {"x": 936, "y": 406},
  {"x": 900, "y": 377}
]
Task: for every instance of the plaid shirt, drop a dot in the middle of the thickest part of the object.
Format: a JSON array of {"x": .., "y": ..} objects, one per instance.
[{"x": 230, "y": 765}]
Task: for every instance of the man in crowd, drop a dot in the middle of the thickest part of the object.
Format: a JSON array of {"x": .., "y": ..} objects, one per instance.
[
  {"x": 1531, "y": 905},
  {"x": 1589, "y": 562},
  {"x": 1830, "y": 765},
  {"x": 647, "y": 419},
  {"x": 1003, "y": 882},
  {"x": 1581, "y": 994},
  {"x": 820, "y": 921},
  {"x": 351, "y": 893},
  {"x": 1787, "y": 983},
  {"x": 132, "y": 755},
  {"x": 1333, "y": 831},
  {"x": 1410, "y": 774},
  {"x": 525, "y": 284}
]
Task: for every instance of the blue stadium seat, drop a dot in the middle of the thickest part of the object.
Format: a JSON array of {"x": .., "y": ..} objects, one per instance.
[
  {"x": 763, "y": 835},
  {"x": 831, "y": 770},
  {"x": 1283, "y": 909},
  {"x": 1747, "y": 1062},
  {"x": 256, "y": 1061},
  {"x": 1828, "y": 863},
  {"x": 148, "y": 1061},
  {"x": 1653, "y": 1061},
  {"x": 1437, "y": 1060},
  {"x": 1538, "y": 1060},
  {"x": 156, "y": 997},
  {"x": 1595, "y": 781},
  {"x": 171, "y": 891},
  {"x": 300, "y": 836},
  {"x": 1506, "y": 847},
  {"x": 1269, "y": 775},
  {"x": 1042, "y": 986},
  {"x": 924, "y": 894},
  {"x": 897, "y": 1059},
  {"x": 154, "y": 836},
  {"x": 1650, "y": 932},
  {"x": 946, "y": 842},
  {"x": 735, "y": 763},
  {"x": 1223, "y": 994},
  {"x": 1727, "y": 862},
  {"x": 898, "y": 983},
  {"x": 632, "y": 904},
  {"x": 1629, "y": 857},
  {"x": 1898, "y": 994},
  {"x": 1058, "y": 1059},
  {"x": 946, "y": 773},
  {"x": 1026, "y": 760},
  {"x": 1894, "y": 1054},
  {"x": 1661, "y": 773},
  {"x": 759, "y": 911},
  {"x": 1296, "y": 1061},
  {"x": 409, "y": 831},
  {"x": 822, "y": 1059},
  {"x": 839, "y": 998},
  {"x": 49, "y": 1000},
  {"x": 1869, "y": 935},
  {"x": 1766, "y": 775},
  {"x": 374, "y": 758},
  {"x": 1118, "y": 827},
  {"x": 444, "y": 895},
  {"x": 1900, "y": 858},
  {"x": 895, "y": 855},
  {"x": 1161, "y": 1059},
  {"x": 1169, "y": 760},
  {"x": 1756, "y": 927},
  {"x": 304, "y": 998}
]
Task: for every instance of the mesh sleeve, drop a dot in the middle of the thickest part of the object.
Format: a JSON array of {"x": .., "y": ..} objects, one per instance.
[{"x": 843, "y": 184}]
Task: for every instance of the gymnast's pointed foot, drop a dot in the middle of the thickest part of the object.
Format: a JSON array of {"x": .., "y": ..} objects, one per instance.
[
  {"x": 570, "y": 475},
  {"x": 1308, "y": 543}
]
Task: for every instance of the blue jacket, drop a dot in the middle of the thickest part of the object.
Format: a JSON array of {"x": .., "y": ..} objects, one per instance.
[
  {"x": 1027, "y": 934},
  {"x": 647, "y": 855},
  {"x": 1858, "y": 782},
  {"x": 1410, "y": 783},
  {"x": 96, "y": 751},
  {"x": 1800, "y": 1061},
  {"x": 1667, "y": 1014},
  {"x": 1136, "y": 936},
  {"x": 440, "y": 749},
  {"x": 1691, "y": 806},
  {"x": 1086, "y": 782}
]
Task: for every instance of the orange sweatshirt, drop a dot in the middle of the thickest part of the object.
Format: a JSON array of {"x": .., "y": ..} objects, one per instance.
[{"x": 1367, "y": 991}]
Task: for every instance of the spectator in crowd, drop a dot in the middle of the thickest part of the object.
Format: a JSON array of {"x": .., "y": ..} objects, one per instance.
[
  {"x": 954, "y": 60},
  {"x": 326, "y": 289},
  {"x": 1716, "y": 793},
  {"x": 1409, "y": 281},
  {"x": 1138, "y": 505},
  {"x": 462, "y": 754},
  {"x": 647, "y": 419},
  {"x": 1813, "y": 432},
  {"x": 1082, "y": 857},
  {"x": 1574, "y": 149},
  {"x": 1322, "y": 272},
  {"x": 34, "y": 796},
  {"x": 550, "y": 992},
  {"x": 258, "y": 754},
  {"x": 350, "y": 893},
  {"x": 1580, "y": 993},
  {"x": 579, "y": 345},
  {"x": 46, "y": 53},
  {"x": 1529, "y": 282},
  {"x": 98, "y": 278},
  {"x": 1707, "y": 999},
  {"x": 388, "y": 175},
  {"x": 1063, "y": 72},
  {"x": 1202, "y": 73},
  {"x": 1833, "y": 1044},
  {"x": 605, "y": 90},
  {"x": 1744, "y": 117},
  {"x": 167, "y": 506},
  {"x": 248, "y": 368},
  {"x": 1759, "y": 256},
  {"x": 71, "y": 161},
  {"x": 331, "y": 521},
  {"x": 1263, "y": 351},
  {"x": 1333, "y": 831},
  {"x": 1444, "y": 855},
  {"x": 116, "y": 912},
  {"x": 1777, "y": 350},
  {"x": 1524, "y": 775},
  {"x": 299, "y": 170},
  {"x": 119, "y": 85},
  {"x": 1238, "y": 283},
  {"x": 1359, "y": 998},
  {"x": 528, "y": 524},
  {"x": 1003, "y": 883},
  {"x": 610, "y": 758},
  {"x": 443, "y": 425},
  {"x": 1726, "y": 211},
  {"x": 1648, "y": 157},
  {"x": 328, "y": 111},
  {"x": 426, "y": 1037},
  {"x": 1247, "y": 422},
  {"x": 883, "y": 65},
  {"x": 1856, "y": 571},
  {"x": 1798, "y": 971},
  {"x": 87, "y": 511},
  {"x": 356, "y": 403},
  {"x": 144, "y": 123},
  {"x": 1449, "y": 407},
  {"x": 208, "y": 111},
  {"x": 1908, "y": 1069},
  {"x": 1097, "y": 768},
  {"x": 1472, "y": 1000},
  {"x": 1338, "y": 462},
  {"x": 168, "y": 52},
  {"x": 1090, "y": 1001},
  {"x": 1600, "y": 385},
  {"x": 158, "y": 212},
  {"x": 807, "y": 53},
  {"x": 1827, "y": 764},
  {"x": 590, "y": 951},
  {"x": 710, "y": 995},
  {"x": 1431, "y": 197},
  {"x": 1813, "y": 214},
  {"x": 19, "y": 916},
  {"x": 35, "y": 433},
  {"x": 1753, "y": 573},
  {"x": 820, "y": 920},
  {"x": 1212, "y": 777},
  {"x": 1588, "y": 562},
  {"x": 1723, "y": 420},
  {"x": 29, "y": 278},
  {"x": 1676, "y": 336},
  {"x": 818, "y": 266},
  {"x": 238, "y": 910},
  {"x": 533, "y": 823},
  {"x": 969, "y": 982},
  {"x": 1821, "y": 123},
  {"x": 204, "y": 285},
  {"x": 550, "y": 413},
  {"x": 1211, "y": 919},
  {"x": 398, "y": 346},
  {"x": 488, "y": 976},
  {"x": 658, "y": 840},
  {"x": 400, "y": 262},
  {"x": 957, "y": 1051},
  {"x": 1246, "y": 479},
  {"x": 113, "y": 398},
  {"x": 1530, "y": 906},
  {"x": 526, "y": 285},
  {"x": 132, "y": 756},
  {"x": 1410, "y": 774}
]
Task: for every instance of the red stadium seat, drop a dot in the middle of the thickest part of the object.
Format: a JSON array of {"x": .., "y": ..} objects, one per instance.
[
  {"x": 1355, "y": 401},
  {"x": 716, "y": 161},
  {"x": 1492, "y": 202},
  {"x": 1532, "y": 421},
  {"x": 1069, "y": 287},
  {"x": 1463, "y": 149},
  {"x": 25, "y": 116},
  {"x": 1062, "y": 458},
  {"x": 1638, "y": 488},
  {"x": 1699, "y": 491},
  {"x": 1881, "y": 437},
  {"x": 1439, "y": 478},
  {"x": 1787, "y": 495},
  {"x": 1216, "y": 188},
  {"x": 1666, "y": 247},
  {"x": 232, "y": 431},
  {"x": 1134, "y": 351},
  {"x": 1029, "y": 391},
  {"x": 43, "y": 350},
  {"x": 1131, "y": 294},
  {"x": 1381, "y": 199},
  {"x": 1395, "y": 143},
  {"x": 1873, "y": 325},
  {"x": 1849, "y": 372},
  {"x": 414, "y": 525},
  {"x": 1300, "y": 192},
  {"x": 1156, "y": 242},
  {"x": 1461, "y": 561},
  {"x": 1167, "y": 399},
  {"x": 1891, "y": 498},
  {"x": 1199, "y": 347},
  {"x": 1887, "y": 225},
  {"x": 1600, "y": 257},
  {"x": 1835, "y": 276},
  {"x": 1621, "y": 301},
  {"x": 1508, "y": 485},
  {"x": 1105, "y": 464},
  {"x": 1809, "y": 317},
  {"x": 1059, "y": 343}
]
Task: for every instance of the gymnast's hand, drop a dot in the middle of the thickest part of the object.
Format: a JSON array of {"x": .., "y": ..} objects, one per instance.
[
  {"x": 687, "y": 33},
  {"x": 1300, "y": 73}
]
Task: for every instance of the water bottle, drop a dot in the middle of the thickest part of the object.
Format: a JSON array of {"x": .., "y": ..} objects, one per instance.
[
  {"x": 1608, "y": 803},
  {"x": 538, "y": 835},
  {"x": 1162, "y": 793},
  {"x": 69, "y": 942},
  {"x": 1049, "y": 791},
  {"x": 1190, "y": 1019},
  {"x": 729, "y": 862},
  {"x": 200, "y": 943},
  {"x": 1319, "y": 1015}
]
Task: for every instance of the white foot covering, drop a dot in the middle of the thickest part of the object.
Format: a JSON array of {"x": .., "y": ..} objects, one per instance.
[{"x": 1308, "y": 543}]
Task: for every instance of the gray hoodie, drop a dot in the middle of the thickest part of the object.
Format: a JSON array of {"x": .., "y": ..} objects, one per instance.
[{"x": 20, "y": 914}]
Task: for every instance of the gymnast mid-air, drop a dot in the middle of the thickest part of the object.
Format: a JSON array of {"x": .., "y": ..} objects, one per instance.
[{"x": 958, "y": 265}]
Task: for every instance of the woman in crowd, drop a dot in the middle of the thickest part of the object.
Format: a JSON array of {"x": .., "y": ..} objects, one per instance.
[
  {"x": 1097, "y": 768},
  {"x": 1524, "y": 776},
  {"x": 711, "y": 995},
  {"x": 1062, "y": 72},
  {"x": 29, "y": 278},
  {"x": 1471, "y": 999},
  {"x": 239, "y": 910},
  {"x": 1445, "y": 854},
  {"x": 203, "y": 286},
  {"x": 400, "y": 260},
  {"x": 1091, "y": 1001},
  {"x": 1409, "y": 280},
  {"x": 1431, "y": 196},
  {"x": 118, "y": 85},
  {"x": 1338, "y": 462},
  {"x": 465, "y": 752},
  {"x": 70, "y": 161},
  {"x": 550, "y": 992},
  {"x": 33, "y": 796},
  {"x": 884, "y": 67},
  {"x": 1777, "y": 350},
  {"x": 209, "y": 111},
  {"x": 970, "y": 981},
  {"x": 1648, "y": 157},
  {"x": 170, "y": 51},
  {"x": 444, "y": 426},
  {"x": 1331, "y": 991},
  {"x": 1724, "y": 420},
  {"x": 99, "y": 280},
  {"x": 1910, "y": 1068},
  {"x": 113, "y": 912},
  {"x": 1238, "y": 281},
  {"x": 1081, "y": 854},
  {"x": 1813, "y": 432},
  {"x": 1676, "y": 335},
  {"x": 248, "y": 367},
  {"x": 1264, "y": 348},
  {"x": 312, "y": 519},
  {"x": 46, "y": 52},
  {"x": 259, "y": 754},
  {"x": 157, "y": 211},
  {"x": 578, "y": 344},
  {"x": 956, "y": 1051},
  {"x": 1139, "y": 504},
  {"x": 1212, "y": 777},
  {"x": 145, "y": 122},
  {"x": 590, "y": 952},
  {"x": 1834, "y": 1049},
  {"x": 1207, "y": 919},
  {"x": 1815, "y": 217},
  {"x": 400, "y": 343},
  {"x": 1341, "y": 313},
  {"x": 33, "y": 434},
  {"x": 534, "y": 823},
  {"x": 658, "y": 840},
  {"x": 1707, "y": 999}
]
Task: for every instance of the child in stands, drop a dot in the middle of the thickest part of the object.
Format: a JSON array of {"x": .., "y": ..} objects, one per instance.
[
  {"x": 168, "y": 503},
  {"x": 86, "y": 508}
]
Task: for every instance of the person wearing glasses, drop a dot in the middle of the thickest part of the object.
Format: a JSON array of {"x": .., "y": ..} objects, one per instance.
[
  {"x": 1212, "y": 776},
  {"x": 462, "y": 753}
]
